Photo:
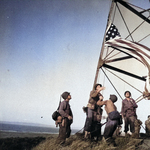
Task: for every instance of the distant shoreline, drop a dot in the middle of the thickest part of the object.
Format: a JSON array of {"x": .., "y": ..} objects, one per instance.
[
  {"x": 9, "y": 134},
  {"x": 15, "y": 130},
  {"x": 16, "y": 134}
]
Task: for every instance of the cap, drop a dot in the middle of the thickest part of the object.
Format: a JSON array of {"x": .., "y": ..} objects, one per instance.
[
  {"x": 65, "y": 95},
  {"x": 113, "y": 98}
]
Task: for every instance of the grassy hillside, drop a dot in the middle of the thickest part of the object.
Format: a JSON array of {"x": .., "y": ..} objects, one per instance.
[
  {"x": 34, "y": 141},
  {"x": 76, "y": 142}
]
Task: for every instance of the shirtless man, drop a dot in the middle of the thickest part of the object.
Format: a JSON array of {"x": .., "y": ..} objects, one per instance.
[{"x": 113, "y": 116}]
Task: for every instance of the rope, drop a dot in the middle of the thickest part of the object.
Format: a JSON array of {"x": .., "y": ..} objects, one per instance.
[
  {"x": 79, "y": 131},
  {"x": 98, "y": 129},
  {"x": 124, "y": 80},
  {"x": 92, "y": 131},
  {"x": 112, "y": 84},
  {"x": 125, "y": 22}
]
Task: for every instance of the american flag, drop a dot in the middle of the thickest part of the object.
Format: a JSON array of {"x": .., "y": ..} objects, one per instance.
[
  {"x": 112, "y": 32},
  {"x": 113, "y": 39},
  {"x": 141, "y": 52}
]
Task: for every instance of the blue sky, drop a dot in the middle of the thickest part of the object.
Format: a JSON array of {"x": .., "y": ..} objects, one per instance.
[{"x": 48, "y": 47}]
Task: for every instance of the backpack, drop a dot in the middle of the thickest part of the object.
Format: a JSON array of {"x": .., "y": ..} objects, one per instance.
[{"x": 56, "y": 113}]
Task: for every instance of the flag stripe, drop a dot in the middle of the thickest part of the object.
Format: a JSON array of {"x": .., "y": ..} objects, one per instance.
[{"x": 141, "y": 51}]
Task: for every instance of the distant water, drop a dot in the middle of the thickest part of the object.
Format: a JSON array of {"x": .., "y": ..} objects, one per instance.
[{"x": 27, "y": 128}]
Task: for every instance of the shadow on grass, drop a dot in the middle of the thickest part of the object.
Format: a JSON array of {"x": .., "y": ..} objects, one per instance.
[{"x": 20, "y": 143}]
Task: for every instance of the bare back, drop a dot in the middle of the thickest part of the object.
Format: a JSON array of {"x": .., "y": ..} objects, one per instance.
[{"x": 109, "y": 107}]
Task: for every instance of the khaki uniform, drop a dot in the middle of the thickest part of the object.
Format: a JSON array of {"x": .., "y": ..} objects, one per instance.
[
  {"x": 94, "y": 114},
  {"x": 64, "y": 126},
  {"x": 147, "y": 126},
  {"x": 129, "y": 113}
]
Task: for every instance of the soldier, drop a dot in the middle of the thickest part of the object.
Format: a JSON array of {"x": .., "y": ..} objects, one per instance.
[
  {"x": 94, "y": 112},
  {"x": 67, "y": 119},
  {"x": 128, "y": 112},
  {"x": 147, "y": 126}
]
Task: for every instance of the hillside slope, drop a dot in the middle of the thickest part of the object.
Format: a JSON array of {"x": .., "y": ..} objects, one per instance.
[{"x": 76, "y": 142}]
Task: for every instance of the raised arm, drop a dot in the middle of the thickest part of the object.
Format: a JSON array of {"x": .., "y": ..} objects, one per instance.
[{"x": 100, "y": 103}]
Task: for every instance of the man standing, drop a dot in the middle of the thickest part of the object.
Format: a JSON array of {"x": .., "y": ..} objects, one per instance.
[
  {"x": 128, "y": 112},
  {"x": 147, "y": 126},
  {"x": 94, "y": 113},
  {"x": 66, "y": 113}
]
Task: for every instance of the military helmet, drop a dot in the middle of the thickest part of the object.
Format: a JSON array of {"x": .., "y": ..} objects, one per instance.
[{"x": 65, "y": 95}]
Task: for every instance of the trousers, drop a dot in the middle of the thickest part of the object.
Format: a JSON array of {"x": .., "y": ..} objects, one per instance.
[
  {"x": 110, "y": 128},
  {"x": 129, "y": 121},
  {"x": 64, "y": 131}
]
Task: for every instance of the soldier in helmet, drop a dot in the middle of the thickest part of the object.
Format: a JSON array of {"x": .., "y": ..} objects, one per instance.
[
  {"x": 92, "y": 125},
  {"x": 66, "y": 113},
  {"x": 128, "y": 112}
]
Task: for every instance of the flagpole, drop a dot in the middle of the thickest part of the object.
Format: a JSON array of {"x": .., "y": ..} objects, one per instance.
[{"x": 100, "y": 61}]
